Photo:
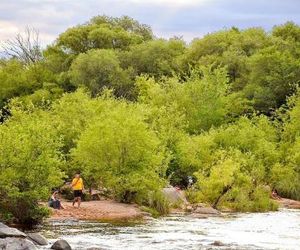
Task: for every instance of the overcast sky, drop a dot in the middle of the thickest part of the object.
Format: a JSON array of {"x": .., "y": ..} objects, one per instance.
[{"x": 187, "y": 18}]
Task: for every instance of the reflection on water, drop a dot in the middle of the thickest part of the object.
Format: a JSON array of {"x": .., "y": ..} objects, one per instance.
[{"x": 274, "y": 230}]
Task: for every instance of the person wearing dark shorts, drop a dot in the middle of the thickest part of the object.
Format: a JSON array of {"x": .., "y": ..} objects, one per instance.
[{"x": 77, "y": 186}]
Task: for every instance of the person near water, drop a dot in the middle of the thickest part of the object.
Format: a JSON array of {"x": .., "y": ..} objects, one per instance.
[
  {"x": 54, "y": 201},
  {"x": 275, "y": 195},
  {"x": 77, "y": 186}
]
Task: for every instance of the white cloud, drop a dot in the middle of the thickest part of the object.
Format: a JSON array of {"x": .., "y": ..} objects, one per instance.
[
  {"x": 7, "y": 29},
  {"x": 171, "y": 3}
]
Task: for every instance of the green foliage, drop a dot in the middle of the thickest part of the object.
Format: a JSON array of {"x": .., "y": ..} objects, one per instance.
[
  {"x": 29, "y": 163},
  {"x": 24, "y": 209},
  {"x": 159, "y": 203},
  {"x": 273, "y": 77},
  {"x": 287, "y": 31},
  {"x": 156, "y": 58},
  {"x": 98, "y": 69},
  {"x": 104, "y": 32},
  {"x": 201, "y": 100},
  {"x": 286, "y": 175},
  {"x": 229, "y": 184},
  {"x": 121, "y": 152}
]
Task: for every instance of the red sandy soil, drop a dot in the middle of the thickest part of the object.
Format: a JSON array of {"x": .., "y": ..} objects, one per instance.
[{"x": 105, "y": 210}]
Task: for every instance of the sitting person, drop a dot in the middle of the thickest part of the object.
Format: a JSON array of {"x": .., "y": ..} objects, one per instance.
[
  {"x": 275, "y": 195},
  {"x": 54, "y": 201}
]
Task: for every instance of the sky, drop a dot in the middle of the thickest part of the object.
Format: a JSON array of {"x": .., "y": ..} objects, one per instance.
[{"x": 184, "y": 18}]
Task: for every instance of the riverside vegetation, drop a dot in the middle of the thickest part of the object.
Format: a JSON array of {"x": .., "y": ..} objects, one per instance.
[{"x": 133, "y": 113}]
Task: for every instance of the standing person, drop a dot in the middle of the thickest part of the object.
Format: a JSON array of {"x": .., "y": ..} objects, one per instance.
[{"x": 77, "y": 186}]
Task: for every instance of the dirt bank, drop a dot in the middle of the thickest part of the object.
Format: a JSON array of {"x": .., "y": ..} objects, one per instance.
[
  {"x": 106, "y": 210},
  {"x": 287, "y": 203}
]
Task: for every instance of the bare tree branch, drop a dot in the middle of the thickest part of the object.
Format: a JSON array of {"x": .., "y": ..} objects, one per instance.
[{"x": 26, "y": 46}]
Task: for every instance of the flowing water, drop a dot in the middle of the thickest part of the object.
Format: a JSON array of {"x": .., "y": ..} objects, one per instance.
[{"x": 273, "y": 230}]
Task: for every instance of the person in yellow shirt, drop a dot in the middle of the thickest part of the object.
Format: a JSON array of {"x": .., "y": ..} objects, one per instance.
[{"x": 77, "y": 186}]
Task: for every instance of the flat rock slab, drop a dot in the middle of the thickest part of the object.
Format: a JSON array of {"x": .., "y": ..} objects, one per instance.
[
  {"x": 12, "y": 243},
  {"x": 199, "y": 216},
  {"x": 11, "y": 232},
  {"x": 206, "y": 210},
  {"x": 38, "y": 239}
]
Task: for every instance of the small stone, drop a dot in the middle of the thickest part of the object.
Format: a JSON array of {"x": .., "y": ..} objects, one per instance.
[
  {"x": 61, "y": 245},
  {"x": 11, "y": 232},
  {"x": 189, "y": 208},
  {"x": 38, "y": 239},
  {"x": 218, "y": 243},
  {"x": 200, "y": 205}
]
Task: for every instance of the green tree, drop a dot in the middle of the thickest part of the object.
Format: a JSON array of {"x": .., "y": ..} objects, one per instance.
[
  {"x": 288, "y": 31},
  {"x": 201, "y": 99},
  {"x": 30, "y": 162},
  {"x": 273, "y": 78},
  {"x": 17, "y": 79},
  {"x": 121, "y": 152},
  {"x": 103, "y": 32},
  {"x": 156, "y": 58},
  {"x": 98, "y": 69}
]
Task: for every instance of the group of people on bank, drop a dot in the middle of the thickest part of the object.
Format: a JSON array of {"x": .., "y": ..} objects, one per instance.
[{"x": 77, "y": 187}]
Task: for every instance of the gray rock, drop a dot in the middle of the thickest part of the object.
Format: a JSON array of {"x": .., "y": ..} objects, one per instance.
[
  {"x": 206, "y": 210},
  {"x": 61, "y": 245},
  {"x": 11, "y": 243},
  {"x": 3, "y": 225},
  {"x": 11, "y": 232},
  {"x": 174, "y": 195},
  {"x": 218, "y": 244},
  {"x": 38, "y": 239},
  {"x": 188, "y": 208}
]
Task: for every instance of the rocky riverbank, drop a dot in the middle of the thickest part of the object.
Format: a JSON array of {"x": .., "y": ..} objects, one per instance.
[
  {"x": 107, "y": 210},
  {"x": 14, "y": 239}
]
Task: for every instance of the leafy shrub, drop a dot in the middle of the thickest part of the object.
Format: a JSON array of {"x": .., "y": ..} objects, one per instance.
[
  {"x": 159, "y": 203},
  {"x": 29, "y": 164},
  {"x": 120, "y": 152},
  {"x": 24, "y": 209}
]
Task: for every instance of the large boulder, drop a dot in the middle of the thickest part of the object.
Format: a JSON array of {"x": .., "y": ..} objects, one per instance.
[
  {"x": 61, "y": 245},
  {"x": 174, "y": 195},
  {"x": 12, "y": 243},
  {"x": 38, "y": 239},
  {"x": 11, "y": 232}
]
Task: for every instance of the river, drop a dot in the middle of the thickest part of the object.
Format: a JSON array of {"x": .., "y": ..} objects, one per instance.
[{"x": 273, "y": 230}]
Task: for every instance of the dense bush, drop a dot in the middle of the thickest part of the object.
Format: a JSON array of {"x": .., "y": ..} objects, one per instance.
[
  {"x": 30, "y": 162},
  {"x": 119, "y": 151}
]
